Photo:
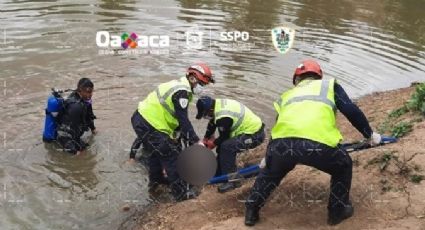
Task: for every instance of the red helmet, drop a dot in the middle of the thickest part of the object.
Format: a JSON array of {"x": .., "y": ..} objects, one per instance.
[
  {"x": 308, "y": 66},
  {"x": 202, "y": 72}
]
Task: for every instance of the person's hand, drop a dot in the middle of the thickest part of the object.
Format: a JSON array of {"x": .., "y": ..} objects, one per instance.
[
  {"x": 205, "y": 140},
  {"x": 263, "y": 163},
  {"x": 94, "y": 131},
  {"x": 79, "y": 153},
  {"x": 375, "y": 139},
  {"x": 201, "y": 143},
  {"x": 210, "y": 144},
  {"x": 131, "y": 161}
]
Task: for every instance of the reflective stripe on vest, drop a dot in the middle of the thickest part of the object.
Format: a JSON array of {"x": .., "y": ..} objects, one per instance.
[
  {"x": 240, "y": 116},
  {"x": 158, "y": 109},
  {"x": 162, "y": 99},
  {"x": 323, "y": 97},
  {"x": 244, "y": 121}
]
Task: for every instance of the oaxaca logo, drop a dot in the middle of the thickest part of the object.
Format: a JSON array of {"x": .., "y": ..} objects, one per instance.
[
  {"x": 283, "y": 39},
  {"x": 129, "y": 41},
  {"x": 132, "y": 40}
]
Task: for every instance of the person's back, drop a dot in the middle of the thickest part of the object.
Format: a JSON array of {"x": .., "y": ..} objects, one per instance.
[
  {"x": 244, "y": 120},
  {"x": 314, "y": 119},
  {"x": 74, "y": 113}
]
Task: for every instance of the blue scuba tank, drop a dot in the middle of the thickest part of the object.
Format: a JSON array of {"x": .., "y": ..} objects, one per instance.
[{"x": 54, "y": 106}]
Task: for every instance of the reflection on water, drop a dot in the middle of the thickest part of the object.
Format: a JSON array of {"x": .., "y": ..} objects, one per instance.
[{"x": 367, "y": 45}]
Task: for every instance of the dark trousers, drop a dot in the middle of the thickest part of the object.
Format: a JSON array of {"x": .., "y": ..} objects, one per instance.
[
  {"x": 227, "y": 151},
  {"x": 164, "y": 152},
  {"x": 284, "y": 154}
]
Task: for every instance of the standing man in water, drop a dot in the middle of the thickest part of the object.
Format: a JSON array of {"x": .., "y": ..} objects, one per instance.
[
  {"x": 76, "y": 118},
  {"x": 158, "y": 117},
  {"x": 305, "y": 133}
]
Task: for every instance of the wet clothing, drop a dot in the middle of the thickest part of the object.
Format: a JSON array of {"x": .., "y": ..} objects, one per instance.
[
  {"x": 284, "y": 153},
  {"x": 76, "y": 118},
  {"x": 239, "y": 129},
  {"x": 163, "y": 154}
]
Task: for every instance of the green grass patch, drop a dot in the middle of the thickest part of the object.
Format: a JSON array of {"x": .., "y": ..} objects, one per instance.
[
  {"x": 396, "y": 113},
  {"x": 415, "y": 178},
  {"x": 383, "y": 161},
  {"x": 417, "y": 101},
  {"x": 401, "y": 129},
  {"x": 415, "y": 104}
]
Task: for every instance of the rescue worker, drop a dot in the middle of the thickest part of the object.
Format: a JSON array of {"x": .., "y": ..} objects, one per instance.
[
  {"x": 76, "y": 117},
  {"x": 306, "y": 133},
  {"x": 156, "y": 121},
  {"x": 239, "y": 129}
]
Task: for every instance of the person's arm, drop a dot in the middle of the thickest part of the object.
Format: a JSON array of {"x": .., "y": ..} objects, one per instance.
[
  {"x": 180, "y": 101},
  {"x": 224, "y": 126},
  {"x": 210, "y": 129},
  {"x": 351, "y": 111},
  {"x": 90, "y": 117}
]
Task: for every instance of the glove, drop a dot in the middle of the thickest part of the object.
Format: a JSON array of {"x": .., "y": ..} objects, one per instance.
[
  {"x": 210, "y": 144},
  {"x": 205, "y": 141},
  {"x": 375, "y": 139},
  {"x": 263, "y": 163}
]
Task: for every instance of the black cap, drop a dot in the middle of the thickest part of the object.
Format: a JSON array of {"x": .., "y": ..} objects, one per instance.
[{"x": 203, "y": 104}]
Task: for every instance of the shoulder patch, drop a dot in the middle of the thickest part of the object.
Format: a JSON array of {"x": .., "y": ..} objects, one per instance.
[{"x": 183, "y": 102}]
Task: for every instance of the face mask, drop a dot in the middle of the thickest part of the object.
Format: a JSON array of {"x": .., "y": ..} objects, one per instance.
[{"x": 198, "y": 89}]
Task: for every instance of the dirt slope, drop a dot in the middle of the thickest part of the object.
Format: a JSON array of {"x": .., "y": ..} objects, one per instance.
[{"x": 387, "y": 190}]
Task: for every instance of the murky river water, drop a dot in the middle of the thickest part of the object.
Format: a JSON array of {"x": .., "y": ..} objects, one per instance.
[{"x": 367, "y": 45}]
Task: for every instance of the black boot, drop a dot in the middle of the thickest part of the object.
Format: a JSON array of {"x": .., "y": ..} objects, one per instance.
[
  {"x": 251, "y": 216},
  {"x": 228, "y": 186},
  {"x": 337, "y": 216}
]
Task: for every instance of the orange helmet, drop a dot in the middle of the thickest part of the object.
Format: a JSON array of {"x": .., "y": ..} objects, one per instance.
[
  {"x": 308, "y": 66},
  {"x": 202, "y": 72}
]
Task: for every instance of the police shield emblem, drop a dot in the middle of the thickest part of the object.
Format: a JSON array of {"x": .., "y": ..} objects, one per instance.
[{"x": 283, "y": 38}]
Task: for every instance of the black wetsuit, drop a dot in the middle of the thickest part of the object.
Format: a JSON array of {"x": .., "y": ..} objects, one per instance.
[{"x": 76, "y": 118}]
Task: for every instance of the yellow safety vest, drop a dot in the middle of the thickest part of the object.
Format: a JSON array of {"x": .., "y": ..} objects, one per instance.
[
  {"x": 244, "y": 120},
  {"x": 308, "y": 111},
  {"x": 158, "y": 108}
]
